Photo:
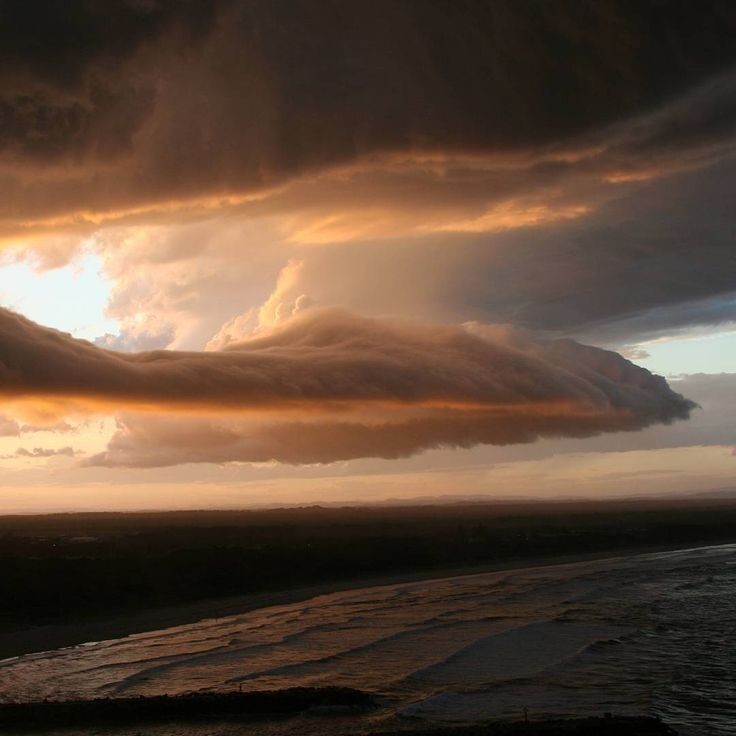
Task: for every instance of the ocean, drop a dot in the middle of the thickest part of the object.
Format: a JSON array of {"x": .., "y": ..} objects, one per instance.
[{"x": 650, "y": 634}]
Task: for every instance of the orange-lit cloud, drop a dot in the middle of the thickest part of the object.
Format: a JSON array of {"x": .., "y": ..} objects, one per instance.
[
  {"x": 325, "y": 385},
  {"x": 330, "y": 357}
]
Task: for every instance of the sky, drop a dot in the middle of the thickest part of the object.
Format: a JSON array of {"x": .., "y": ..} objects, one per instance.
[{"x": 262, "y": 252}]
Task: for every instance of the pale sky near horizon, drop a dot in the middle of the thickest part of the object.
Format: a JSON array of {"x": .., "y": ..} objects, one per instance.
[{"x": 365, "y": 242}]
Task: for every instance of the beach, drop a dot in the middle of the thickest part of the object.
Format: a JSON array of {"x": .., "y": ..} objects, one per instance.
[
  {"x": 18, "y": 641},
  {"x": 637, "y": 635}
]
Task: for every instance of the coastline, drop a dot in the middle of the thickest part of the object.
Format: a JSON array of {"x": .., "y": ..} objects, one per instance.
[{"x": 17, "y": 642}]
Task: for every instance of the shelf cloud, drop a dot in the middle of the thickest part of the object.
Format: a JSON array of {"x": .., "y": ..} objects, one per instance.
[{"x": 326, "y": 385}]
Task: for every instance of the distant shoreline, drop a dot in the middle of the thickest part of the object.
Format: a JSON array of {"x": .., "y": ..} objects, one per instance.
[{"x": 18, "y": 642}]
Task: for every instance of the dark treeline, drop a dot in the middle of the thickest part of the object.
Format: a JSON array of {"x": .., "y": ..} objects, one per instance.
[
  {"x": 71, "y": 566},
  {"x": 123, "y": 711}
]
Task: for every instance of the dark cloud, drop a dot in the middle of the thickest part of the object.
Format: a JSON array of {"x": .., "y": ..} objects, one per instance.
[
  {"x": 58, "y": 44},
  {"x": 199, "y": 99},
  {"x": 68, "y": 85},
  {"x": 468, "y": 74}
]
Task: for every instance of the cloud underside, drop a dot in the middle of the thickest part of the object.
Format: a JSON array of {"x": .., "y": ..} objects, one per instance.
[
  {"x": 119, "y": 111},
  {"x": 143, "y": 441},
  {"x": 326, "y": 385}
]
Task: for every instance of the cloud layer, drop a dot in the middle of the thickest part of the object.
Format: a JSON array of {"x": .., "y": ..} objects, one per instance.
[
  {"x": 325, "y": 385},
  {"x": 114, "y": 111},
  {"x": 326, "y": 356}
]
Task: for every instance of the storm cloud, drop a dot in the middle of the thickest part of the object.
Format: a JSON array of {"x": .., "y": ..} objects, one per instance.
[
  {"x": 365, "y": 229},
  {"x": 112, "y": 107},
  {"x": 325, "y": 385},
  {"x": 327, "y": 356}
]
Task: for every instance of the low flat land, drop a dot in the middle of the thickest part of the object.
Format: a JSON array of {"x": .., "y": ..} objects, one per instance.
[{"x": 234, "y": 707}]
